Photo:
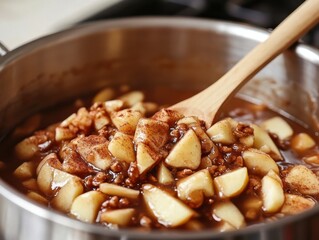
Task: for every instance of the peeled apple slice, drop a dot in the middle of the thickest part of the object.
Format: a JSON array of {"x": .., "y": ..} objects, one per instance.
[
  {"x": 259, "y": 162},
  {"x": 222, "y": 132},
  {"x": 272, "y": 194},
  {"x": 168, "y": 210},
  {"x": 186, "y": 153},
  {"x": 164, "y": 176},
  {"x": 229, "y": 213},
  {"x": 278, "y": 126},
  {"x": 194, "y": 187},
  {"x": 122, "y": 217},
  {"x": 262, "y": 140},
  {"x": 233, "y": 183},
  {"x": 86, "y": 206}
]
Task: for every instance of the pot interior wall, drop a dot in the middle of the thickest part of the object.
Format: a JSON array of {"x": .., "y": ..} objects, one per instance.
[{"x": 181, "y": 55}]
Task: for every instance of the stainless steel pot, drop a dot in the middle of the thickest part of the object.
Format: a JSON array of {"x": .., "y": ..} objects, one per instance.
[{"x": 179, "y": 52}]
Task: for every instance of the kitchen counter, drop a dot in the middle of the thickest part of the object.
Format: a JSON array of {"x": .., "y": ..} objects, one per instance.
[{"x": 22, "y": 21}]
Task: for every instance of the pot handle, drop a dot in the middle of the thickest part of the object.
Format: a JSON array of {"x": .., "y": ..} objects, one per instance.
[{"x": 3, "y": 50}]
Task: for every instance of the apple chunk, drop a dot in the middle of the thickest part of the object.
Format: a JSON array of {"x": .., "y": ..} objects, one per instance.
[
  {"x": 121, "y": 217},
  {"x": 233, "y": 183},
  {"x": 168, "y": 210},
  {"x": 37, "y": 197},
  {"x": 186, "y": 153},
  {"x": 151, "y": 132},
  {"x": 229, "y": 213},
  {"x": 126, "y": 120},
  {"x": 247, "y": 141},
  {"x": 70, "y": 186},
  {"x": 164, "y": 176},
  {"x": 195, "y": 124},
  {"x": 146, "y": 158},
  {"x": 25, "y": 170},
  {"x": 94, "y": 150},
  {"x": 194, "y": 225},
  {"x": 193, "y": 188},
  {"x": 302, "y": 142},
  {"x": 105, "y": 94},
  {"x": 262, "y": 140},
  {"x": 278, "y": 126},
  {"x": 31, "y": 184},
  {"x": 122, "y": 147},
  {"x": 101, "y": 120},
  {"x": 221, "y": 132},
  {"x": 62, "y": 134},
  {"x": 314, "y": 159},
  {"x": 272, "y": 194},
  {"x": 132, "y": 97},
  {"x": 27, "y": 148},
  {"x": 113, "y": 105},
  {"x": 60, "y": 178},
  {"x": 225, "y": 227},
  {"x": 113, "y": 189},
  {"x": 64, "y": 198},
  {"x": 250, "y": 205},
  {"x": 46, "y": 173},
  {"x": 259, "y": 162},
  {"x": 86, "y": 206},
  {"x": 303, "y": 179},
  {"x": 295, "y": 204}
]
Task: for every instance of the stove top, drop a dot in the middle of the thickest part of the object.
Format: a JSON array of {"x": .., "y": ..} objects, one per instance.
[{"x": 263, "y": 13}]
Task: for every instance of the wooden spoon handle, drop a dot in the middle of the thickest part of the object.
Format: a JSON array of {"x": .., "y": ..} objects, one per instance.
[{"x": 291, "y": 29}]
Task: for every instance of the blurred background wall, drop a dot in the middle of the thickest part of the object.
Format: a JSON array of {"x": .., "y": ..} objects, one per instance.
[{"x": 23, "y": 20}]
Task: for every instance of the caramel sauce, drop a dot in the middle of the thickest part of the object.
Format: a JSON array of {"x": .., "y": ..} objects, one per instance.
[{"x": 238, "y": 109}]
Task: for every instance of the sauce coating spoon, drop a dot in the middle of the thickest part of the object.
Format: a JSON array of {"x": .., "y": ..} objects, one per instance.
[{"x": 206, "y": 104}]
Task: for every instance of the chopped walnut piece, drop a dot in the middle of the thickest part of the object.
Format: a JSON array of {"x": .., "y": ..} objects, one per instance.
[
  {"x": 83, "y": 120},
  {"x": 124, "y": 202},
  {"x": 117, "y": 167},
  {"x": 99, "y": 178},
  {"x": 133, "y": 173},
  {"x": 254, "y": 184},
  {"x": 243, "y": 130}
]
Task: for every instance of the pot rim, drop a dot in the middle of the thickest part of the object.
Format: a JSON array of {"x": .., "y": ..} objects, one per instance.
[{"x": 254, "y": 33}]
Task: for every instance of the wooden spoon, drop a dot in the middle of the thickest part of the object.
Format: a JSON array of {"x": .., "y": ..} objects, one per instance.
[{"x": 205, "y": 104}]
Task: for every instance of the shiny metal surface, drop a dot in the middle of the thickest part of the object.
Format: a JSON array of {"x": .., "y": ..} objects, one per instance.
[
  {"x": 182, "y": 53},
  {"x": 3, "y": 49}
]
